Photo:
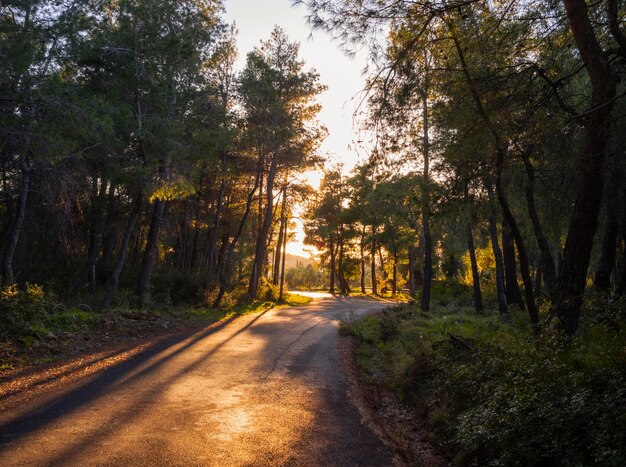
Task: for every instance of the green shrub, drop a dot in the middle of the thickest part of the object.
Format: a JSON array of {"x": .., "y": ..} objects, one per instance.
[
  {"x": 268, "y": 291},
  {"x": 20, "y": 309},
  {"x": 534, "y": 404}
]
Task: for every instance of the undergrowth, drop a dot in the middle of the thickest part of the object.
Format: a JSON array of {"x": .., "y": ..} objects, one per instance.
[{"x": 492, "y": 394}]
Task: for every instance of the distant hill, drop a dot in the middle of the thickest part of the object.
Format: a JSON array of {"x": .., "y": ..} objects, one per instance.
[{"x": 293, "y": 261}]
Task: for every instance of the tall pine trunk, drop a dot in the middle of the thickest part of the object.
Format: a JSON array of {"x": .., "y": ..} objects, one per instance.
[
  {"x": 284, "y": 256},
  {"x": 373, "y": 264},
  {"x": 121, "y": 257},
  {"x": 211, "y": 263},
  {"x": 362, "y": 259},
  {"x": 612, "y": 203},
  {"x": 95, "y": 231},
  {"x": 568, "y": 297},
  {"x": 547, "y": 260},
  {"x": 497, "y": 253},
  {"x": 428, "y": 261},
  {"x": 281, "y": 239},
  {"x": 150, "y": 253},
  {"x": 16, "y": 227},
  {"x": 332, "y": 268}
]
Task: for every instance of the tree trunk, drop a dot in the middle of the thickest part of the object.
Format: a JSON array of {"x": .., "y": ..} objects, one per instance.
[
  {"x": 513, "y": 293},
  {"x": 501, "y": 152},
  {"x": 94, "y": 231},
  {"x": 16, "y": 228},
  {"x": 362, "y": 257},
  {"x": 226, "y": 270},
  {"x": 538, "y": 279},
  {"x": 519, "y": 243},
  {"x": 284, "y": 255},
  {"x": 332, "y": 268},
  {"x": 549, "y": 268},
  {"x": 394, "y": 284},
  {"x": 211, "y": 263},
  {"x": 428, "y": 267},
  {"x": 261, "y": 245},
  {"x": 149, "y": 260},
  {"x": 121, "y": 257},
  {"x": 281, "y": 238},
  {"x": 109, "y": 237},
  {"x": 342, "y": 285},
  {"x": 413, "y": 255},
  {"x": 612, "y": 203},
  {"x": 373, "y": 265},
  {"x": 568, "y": 298},
  {"x": 478, "y": 299},
  {"x": 383, "y": 271},
  {"x": 497, "y": 253}
]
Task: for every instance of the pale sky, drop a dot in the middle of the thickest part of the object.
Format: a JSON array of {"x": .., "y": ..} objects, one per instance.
[{"x": 342, "y": 74}]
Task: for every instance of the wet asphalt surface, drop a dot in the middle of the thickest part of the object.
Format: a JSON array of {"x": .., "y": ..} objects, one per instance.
[{"x": 262, "y": 389}]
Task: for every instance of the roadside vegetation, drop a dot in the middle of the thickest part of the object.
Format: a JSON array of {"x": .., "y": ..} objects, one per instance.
[
  {"x": 36, "y": 327},
  {"x": 489, "y": 393}
]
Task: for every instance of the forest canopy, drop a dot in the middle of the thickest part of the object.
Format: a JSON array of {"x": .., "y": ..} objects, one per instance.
[{"x": 136, "y": 159}]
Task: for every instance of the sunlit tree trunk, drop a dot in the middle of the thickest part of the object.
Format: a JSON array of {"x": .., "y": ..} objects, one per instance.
[{"x": 413, "y": 255}]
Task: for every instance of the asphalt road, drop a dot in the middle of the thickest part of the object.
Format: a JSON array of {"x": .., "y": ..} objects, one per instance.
[{"x": 261, "y": 389}]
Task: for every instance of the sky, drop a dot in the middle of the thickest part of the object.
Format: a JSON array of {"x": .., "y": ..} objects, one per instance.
[{"x": 342, "y": 74}]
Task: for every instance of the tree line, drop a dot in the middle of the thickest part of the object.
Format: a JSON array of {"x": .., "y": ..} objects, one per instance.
[
  {"x": 135, "y": 159},
  {"x": 497, "y": 123}
]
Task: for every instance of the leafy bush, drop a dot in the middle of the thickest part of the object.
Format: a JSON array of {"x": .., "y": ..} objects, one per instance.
[
  {"x": 268, "y": 291},
  {"x": 22, "y": 308}
]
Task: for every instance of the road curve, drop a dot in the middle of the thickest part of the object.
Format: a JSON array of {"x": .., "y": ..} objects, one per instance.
[{"x": 261, "y": 389}]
